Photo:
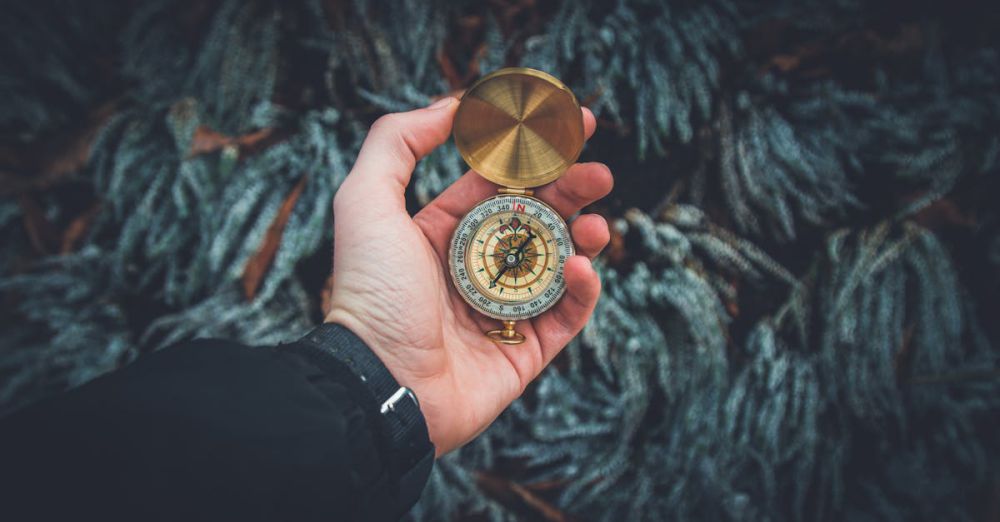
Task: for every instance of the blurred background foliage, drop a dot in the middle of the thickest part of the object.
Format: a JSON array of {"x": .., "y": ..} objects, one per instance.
[{"x": 801, "y": 293}]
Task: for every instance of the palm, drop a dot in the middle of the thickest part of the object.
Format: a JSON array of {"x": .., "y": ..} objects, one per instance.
[{"x": 392, "y": 288}]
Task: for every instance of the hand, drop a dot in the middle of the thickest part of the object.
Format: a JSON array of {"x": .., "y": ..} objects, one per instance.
[{"x": 391, "y": 285}]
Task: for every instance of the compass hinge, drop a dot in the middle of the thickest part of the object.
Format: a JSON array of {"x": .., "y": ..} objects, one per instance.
[{"x": 516, "y": 191}]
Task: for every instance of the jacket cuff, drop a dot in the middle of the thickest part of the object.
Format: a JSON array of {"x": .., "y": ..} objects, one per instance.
[{"x": 391, "y": 411}]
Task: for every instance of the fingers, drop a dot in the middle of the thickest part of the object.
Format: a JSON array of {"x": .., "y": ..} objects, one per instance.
[
  {"x": 580, "y": 186},
  {"x": 590, "y": 234},
  {"x": 556, "y": 327},
  {"x": 392, "y": 148}
]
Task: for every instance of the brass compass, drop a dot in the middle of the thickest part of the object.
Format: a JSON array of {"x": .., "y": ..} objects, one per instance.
[{"x": 519, "y": 128}]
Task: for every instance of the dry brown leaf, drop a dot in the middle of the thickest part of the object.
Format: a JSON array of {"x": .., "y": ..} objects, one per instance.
[
  {"x": 448, "y": 69},
  {"x": 733, "y": 307},
  {"x": 257, "y": 265},
  {"x": 78, "y": 228},
  {"x": 944, "y": 213},
  {"x": 455, "y": 80},
  {"x": 473, "y": 69},
  {"x": 41, "y": 232},
  {"x": 592, "y": 98},
  {"x": 547, "y": 485},
  {"x": 500, "y": 487},
  {"x": 786, "y": 62},
  {"x": 904, "y": 356}
]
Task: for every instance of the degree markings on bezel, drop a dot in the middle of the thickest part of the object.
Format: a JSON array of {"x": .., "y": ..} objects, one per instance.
[{"x": 525, "y": 302}]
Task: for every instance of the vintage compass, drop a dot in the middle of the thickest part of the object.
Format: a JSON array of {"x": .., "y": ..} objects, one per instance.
[{"x": 519, "y": 128}]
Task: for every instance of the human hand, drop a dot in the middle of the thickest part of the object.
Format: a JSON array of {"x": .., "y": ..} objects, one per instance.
[{"x": 392, "y": 289}]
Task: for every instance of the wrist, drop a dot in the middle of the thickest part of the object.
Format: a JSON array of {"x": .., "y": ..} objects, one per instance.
[
  {"x": 340, "y": 316},
  {"x": 414, "y": 368},
  {"x": 376, "y": 343},
  {"x": 402, "y": 352},
  {"x": 392, "y": 409}
]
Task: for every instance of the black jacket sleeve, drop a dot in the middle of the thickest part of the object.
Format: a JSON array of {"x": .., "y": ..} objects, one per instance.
[{"x": 204, "y": 430}]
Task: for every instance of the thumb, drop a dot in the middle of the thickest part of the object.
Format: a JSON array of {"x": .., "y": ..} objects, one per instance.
[{"x": 392, "y": 148}]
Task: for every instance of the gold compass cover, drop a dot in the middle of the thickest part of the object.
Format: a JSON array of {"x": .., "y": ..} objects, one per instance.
[{"x": 519, "y": 127}]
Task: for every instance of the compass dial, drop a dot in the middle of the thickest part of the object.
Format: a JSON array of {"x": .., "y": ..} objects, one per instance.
[{"x": 507, "y": 257}]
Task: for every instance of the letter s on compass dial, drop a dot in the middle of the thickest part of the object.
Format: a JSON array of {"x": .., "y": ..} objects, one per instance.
[{"x": 507, "y": 257}]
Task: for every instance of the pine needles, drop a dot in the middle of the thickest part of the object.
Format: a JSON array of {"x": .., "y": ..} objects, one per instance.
[{"x": 802, "y": 329}]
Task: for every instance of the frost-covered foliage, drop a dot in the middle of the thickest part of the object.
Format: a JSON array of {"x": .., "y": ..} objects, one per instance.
[
  {"x": 800, "y": 326},
  {"x": 769, "y": 173},
  {"x": 660, "y": 64},
  {"x": 49, "y": 76},
  {"x": 77, "y": 334}
]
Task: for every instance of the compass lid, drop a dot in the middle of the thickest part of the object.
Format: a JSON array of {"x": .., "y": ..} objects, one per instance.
[{"x": 519, "y": 127}]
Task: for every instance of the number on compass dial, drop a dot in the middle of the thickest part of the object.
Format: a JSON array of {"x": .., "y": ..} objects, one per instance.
[{"x": 507, "y": 257}]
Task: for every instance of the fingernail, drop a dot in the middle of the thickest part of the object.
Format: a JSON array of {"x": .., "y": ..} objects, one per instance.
[{"x": 442, "y": 103}]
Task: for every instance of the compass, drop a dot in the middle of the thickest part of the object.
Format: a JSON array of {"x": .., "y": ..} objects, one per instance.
[{"x": 519, "y": 128}]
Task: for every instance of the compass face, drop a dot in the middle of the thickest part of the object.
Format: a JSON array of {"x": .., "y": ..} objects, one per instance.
[{"x": 507, "y": 257}]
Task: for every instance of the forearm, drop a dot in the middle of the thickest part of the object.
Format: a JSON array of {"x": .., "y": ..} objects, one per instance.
[{"x": 206, "y": 429}]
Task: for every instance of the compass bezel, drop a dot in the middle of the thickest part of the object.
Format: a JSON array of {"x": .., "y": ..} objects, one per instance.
[{"x": 489, "y": 305}]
